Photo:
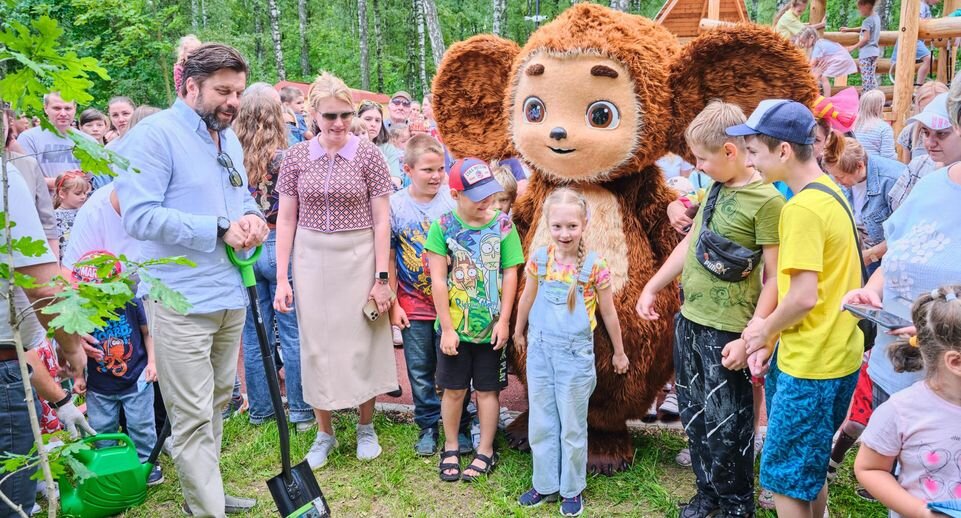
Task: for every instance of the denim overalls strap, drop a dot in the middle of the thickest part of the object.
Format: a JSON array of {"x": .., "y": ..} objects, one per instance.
[{"x": 551, "y": 318}]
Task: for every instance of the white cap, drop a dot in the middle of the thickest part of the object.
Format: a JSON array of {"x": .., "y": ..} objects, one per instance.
[{"x": 934, "y": 116}]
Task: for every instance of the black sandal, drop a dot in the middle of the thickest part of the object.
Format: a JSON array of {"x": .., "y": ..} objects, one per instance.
[
  {"x": 444, "y": 466},
  {"x": 491, "y": 462}
]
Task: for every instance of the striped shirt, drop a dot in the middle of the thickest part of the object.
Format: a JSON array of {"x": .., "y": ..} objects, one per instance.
[{"x": 877, "y": 138}]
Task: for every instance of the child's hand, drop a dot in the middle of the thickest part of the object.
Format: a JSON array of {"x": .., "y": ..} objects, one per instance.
[
  {"x": 645, "y": 305},
  {"x": 520, "y": 341},
  {"x": 864, "y": 296},
  {"x": 500, "y": 334},
  {"x": 621, "y": 363},
  {"x": 398, "y": 316},
  {"x": 754, "y": 336},
  {"x": 79, "y": 385},
  {"x": 150, "y": 373},
  {"x": 758, "y": 363},
  {"x": 734, "y": 355},
  {"x": 449, "y": 342}
]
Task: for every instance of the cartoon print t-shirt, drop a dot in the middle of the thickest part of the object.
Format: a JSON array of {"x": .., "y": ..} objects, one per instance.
[
  {"x": 477, "y": 257},
  {"x": 409, "y": 223},
  {"x": 124, "y": 353},
  {"x": 924, "y": 432}
]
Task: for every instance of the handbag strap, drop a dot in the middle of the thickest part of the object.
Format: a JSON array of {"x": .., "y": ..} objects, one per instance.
[
  {"x": 817, "y": 186},
  {"x": 709, "y": 205}
]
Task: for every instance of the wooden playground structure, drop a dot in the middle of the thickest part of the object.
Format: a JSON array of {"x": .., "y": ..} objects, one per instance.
[{"x": 687, "y": 18}]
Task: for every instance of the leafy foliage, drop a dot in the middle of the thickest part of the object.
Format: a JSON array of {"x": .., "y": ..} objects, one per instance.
[{"x": 62, "y": 460}]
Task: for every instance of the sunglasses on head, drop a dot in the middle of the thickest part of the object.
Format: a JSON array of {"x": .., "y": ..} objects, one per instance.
[
  {"x": 400, "y": 101},
  {"x": 224, "y": 160},
  {"x": 333, "y": 116}
]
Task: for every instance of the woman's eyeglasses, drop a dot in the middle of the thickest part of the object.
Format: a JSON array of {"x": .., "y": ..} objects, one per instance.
[
  {"x": 224, "y": 160},
  {"x": 333, "y": 116}
]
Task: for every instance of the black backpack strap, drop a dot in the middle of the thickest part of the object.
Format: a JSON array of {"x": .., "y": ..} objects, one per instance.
[{"x": 817, "y": 186}]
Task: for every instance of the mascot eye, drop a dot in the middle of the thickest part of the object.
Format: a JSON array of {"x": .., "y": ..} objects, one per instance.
[
  {"x": 534, "y": 110},
  {"x": 603, "y": 115}
]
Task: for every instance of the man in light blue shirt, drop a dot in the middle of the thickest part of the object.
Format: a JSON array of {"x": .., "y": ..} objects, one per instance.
[{"x": 190, "y": 199}]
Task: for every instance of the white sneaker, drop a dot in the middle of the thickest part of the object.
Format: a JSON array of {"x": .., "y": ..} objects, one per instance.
[
  {"x": 684, "y": 458},
  {"x": 367, "y": 446},
  {"x": 323, "y": 445},
  {"x": 669, "y": 406}
]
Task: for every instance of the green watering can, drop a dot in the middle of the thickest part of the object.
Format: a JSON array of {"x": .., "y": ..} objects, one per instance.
[{"x": 119, "y": 480}]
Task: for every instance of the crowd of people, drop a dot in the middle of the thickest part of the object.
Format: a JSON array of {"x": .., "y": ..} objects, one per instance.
[{"x": 785, "y": 217}]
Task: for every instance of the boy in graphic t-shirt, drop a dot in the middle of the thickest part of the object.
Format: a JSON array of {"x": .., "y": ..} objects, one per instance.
[
  {"x": 473, "y": 297},
  {"x": 412, "y": 210},
  {"x": 120, "y": 378}
]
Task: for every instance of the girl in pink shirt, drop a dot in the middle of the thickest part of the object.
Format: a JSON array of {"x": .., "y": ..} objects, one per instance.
[{"x": 920, "y": 427}]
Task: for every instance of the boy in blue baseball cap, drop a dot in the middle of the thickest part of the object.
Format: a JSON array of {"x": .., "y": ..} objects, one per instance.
[{"x": 815, "y": 366}]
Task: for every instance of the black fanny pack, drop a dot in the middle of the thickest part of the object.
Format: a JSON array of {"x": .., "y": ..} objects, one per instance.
[{"x": 725, "y": 259}]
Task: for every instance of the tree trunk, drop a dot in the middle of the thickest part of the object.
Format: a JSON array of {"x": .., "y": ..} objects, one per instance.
[
  {"x": 258, "y": 35},
  {"x": 203, "y": 12},
  {"x": 193, "y": 15},
  {"x": 304, "y": 55},
  {"x": 422, "y": 47},
  {"x": 378, "y": 46},
  {"x": 498, "y": 17},
  {"x": 274, "y": 14},
  {"x": 885, "y": 10},
  {"x": 620, "y": 5},
  {"x": 364, "y": 47},
  {"x": 437, "y": 46}
]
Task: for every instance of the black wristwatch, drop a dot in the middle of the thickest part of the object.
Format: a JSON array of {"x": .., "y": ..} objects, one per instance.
[
  {"x": 223, "y": 225},
  {"x": 381, "y": 277},
  {"x": 57, "y": 404}
]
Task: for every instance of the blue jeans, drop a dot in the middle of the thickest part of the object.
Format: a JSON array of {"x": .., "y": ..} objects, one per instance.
[
  {"x": 560, "y": 380},
  {"x": 258, "y": 395},
  {"x": 420, "y": 354},
  {"x": 103, "y": 414},
  {"x": 15, "y": 437}
]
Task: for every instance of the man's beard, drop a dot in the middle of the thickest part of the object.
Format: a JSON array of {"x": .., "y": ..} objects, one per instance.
[{"x": 211, "y": 117}]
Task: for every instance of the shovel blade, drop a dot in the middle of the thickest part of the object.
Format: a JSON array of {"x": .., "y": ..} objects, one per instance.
[{"x": 301, "y": 497}]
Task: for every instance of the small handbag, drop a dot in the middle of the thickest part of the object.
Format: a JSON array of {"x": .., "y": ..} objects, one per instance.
[
  {"x": 869, "y": 328},
  {"x": 725, "y": 259}
]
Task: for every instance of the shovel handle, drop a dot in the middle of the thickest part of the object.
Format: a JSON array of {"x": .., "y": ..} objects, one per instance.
[{"x": 246, "y": 266}]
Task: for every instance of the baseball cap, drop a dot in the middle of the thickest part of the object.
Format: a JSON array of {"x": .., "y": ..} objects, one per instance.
[
  {"x": 935, "y": 115},
  {"x": 109, "y": 270},
  {"x": 403, "y": 94},
  {"x": 474, "y": 178},
  {"x": 785, "y": 120}
]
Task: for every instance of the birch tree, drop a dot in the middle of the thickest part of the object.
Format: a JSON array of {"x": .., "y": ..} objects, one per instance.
[
  {"x": 304, "y": 55},
  {"x": 620, "y": 5},
  {"x": 203, "y": 12},
  {"x": 422, "y": 68},
  {"x": 274, "y": 14},
  {"x": 258, "y": 35},
  {"x": 437, "y": 46},
  {"x": 498, "y": 17},
  {"x": 193, "y": 15},
  {"x": 364, "y": 47},
  {"x": 379, "y": 45}
]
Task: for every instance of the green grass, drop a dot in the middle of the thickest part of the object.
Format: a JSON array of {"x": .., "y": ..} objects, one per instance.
[{"x": 402, "y": 484}]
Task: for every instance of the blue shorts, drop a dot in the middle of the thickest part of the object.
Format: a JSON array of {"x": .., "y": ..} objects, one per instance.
[
  {"x": 803, "y": 415},
  {"x": 920, "y": 52}
]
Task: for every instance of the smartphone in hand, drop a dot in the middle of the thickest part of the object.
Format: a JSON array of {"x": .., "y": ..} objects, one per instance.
[{"x": 878, "y": 316}]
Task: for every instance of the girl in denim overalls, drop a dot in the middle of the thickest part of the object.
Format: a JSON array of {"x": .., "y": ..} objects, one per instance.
[{"x": 565, "y": 284}]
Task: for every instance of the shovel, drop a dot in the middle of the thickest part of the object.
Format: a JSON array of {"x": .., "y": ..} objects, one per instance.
[{"x": 295, "y": 490}]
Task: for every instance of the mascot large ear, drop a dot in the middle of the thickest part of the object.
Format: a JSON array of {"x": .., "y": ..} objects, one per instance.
[
  {"x": 741, "y": 64},
  {"x": 470, "y": 89}
]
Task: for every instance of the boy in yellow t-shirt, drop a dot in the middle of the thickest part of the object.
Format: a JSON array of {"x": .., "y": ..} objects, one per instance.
[{"x": 815, "y": 368}]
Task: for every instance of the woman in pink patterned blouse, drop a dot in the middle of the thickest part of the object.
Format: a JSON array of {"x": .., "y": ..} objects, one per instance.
[{"x": 334, "y": 215}]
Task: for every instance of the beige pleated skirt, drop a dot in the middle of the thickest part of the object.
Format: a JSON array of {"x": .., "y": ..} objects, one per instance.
[{"x": 345, "y": 358}]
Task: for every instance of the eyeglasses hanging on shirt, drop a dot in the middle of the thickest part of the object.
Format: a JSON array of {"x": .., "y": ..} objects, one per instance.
[{"x": 224, "y": 160}]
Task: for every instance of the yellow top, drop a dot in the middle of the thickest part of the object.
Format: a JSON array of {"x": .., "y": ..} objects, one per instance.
[
  {"x": 816, "y": 235},
  {"x": 789, "y": 25}
]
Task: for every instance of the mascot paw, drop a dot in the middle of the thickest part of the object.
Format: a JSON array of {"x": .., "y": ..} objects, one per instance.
[
  {"x": 516, "y": 433},
  {"x": 609, "y": 452}
]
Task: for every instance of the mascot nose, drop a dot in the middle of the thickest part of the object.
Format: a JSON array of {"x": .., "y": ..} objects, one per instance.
[{"x": 558, "y": 134}]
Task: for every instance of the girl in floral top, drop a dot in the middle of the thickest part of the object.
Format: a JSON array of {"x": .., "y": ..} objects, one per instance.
[{"x": 263, "y": 134}]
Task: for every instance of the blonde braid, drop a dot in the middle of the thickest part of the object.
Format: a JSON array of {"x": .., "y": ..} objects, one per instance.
[{"x": 581, "y": 253}]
